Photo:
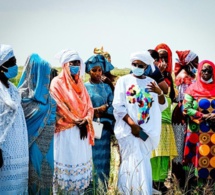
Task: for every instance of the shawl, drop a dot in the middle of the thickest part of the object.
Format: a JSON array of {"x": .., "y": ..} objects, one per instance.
[
  {"x": 199, "y": 88},
  {"x": 7, "y": 118},
  {"x": 184, "y": 58},
  {"x": 73, "y": 102},
  {"x": 36, "y": 100}
]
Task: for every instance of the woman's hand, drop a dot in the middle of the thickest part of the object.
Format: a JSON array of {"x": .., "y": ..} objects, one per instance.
[
  {"x": 162, "y": 66},
  {"x": 100, "y": 110},
  {"x": 135, "y": 130},
  {"x": 153, "y": 87},
  {"x": 209, "y": 117}
]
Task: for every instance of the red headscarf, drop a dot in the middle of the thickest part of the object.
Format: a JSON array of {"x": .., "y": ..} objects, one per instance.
[
  {"x": 199, "y": 88},
  {"x": 166, "y": 47},
  {"x": 181, "y": 57}
]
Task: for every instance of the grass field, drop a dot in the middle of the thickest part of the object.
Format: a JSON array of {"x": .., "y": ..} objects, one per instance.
[{"x": 116, "y": 71}]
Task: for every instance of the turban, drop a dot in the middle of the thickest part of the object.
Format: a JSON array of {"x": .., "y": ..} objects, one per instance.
[
  {"x": 143, "y": 56},
  {"x": 98, "y": 60},
  {"x": 6, "y": 52},
  {"x": 68, "y": 55}
]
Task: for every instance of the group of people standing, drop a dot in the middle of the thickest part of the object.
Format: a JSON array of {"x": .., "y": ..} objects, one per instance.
[{"x": 47, "y": 136}]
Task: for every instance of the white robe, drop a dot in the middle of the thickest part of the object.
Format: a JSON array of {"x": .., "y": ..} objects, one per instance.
[
  {"x": 135, "y": 174},
  {"x": 13, "y": 142},
  {"x": 72, "y": 162}
]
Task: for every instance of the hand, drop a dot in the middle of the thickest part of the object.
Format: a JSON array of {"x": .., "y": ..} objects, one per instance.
[
  {"x": 153, "y": 87},
  {"x": 210, "y": 117},
  {"x": 135, "y": 130},
  {"x": 83, "y": 131},
  {"x": 162, "y": 66},
  {"x": 81, "y": 121}
]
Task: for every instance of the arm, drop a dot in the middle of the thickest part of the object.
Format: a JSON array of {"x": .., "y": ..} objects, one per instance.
[{"x": 190, "y": 109}]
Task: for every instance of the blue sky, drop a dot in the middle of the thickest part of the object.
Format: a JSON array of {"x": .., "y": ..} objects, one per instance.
[{"x": 120, "y": 26}]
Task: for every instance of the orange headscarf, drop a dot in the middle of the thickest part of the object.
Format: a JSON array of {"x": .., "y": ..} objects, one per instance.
[{"x": 73, "y": 102}]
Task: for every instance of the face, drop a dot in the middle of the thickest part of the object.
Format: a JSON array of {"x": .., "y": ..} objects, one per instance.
[
  {"x": 10, "y": 63},
  {"x": 139, "y": 64},
  {"x": 163, "y": 56},
  {"x": 206, "y": 72},
  {"x": 96, "y": 73}
]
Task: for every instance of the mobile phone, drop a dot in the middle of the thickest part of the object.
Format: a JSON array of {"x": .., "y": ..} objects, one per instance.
[{"x": 144, "y": 136}]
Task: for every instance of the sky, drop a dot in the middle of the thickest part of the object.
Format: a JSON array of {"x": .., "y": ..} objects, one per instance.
[{"x": 121, "y": 26}]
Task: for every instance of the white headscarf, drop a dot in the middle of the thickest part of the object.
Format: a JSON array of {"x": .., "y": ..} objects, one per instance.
[
  {"x": 6, "y": 52},
  {"x": 70, "y": 55},
  {"x": 190, "y": 57},
  {"x": 143, "y": 56}
]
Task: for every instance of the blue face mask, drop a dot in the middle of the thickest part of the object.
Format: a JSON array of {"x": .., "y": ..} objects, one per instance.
[
  {"x": 137, "y": 71},
  {"x": 74, "y": 70},
  {"x": 194, "y": 70},
  {"x": 147, "y": 71},
  {"x": 12, "y": 72}
]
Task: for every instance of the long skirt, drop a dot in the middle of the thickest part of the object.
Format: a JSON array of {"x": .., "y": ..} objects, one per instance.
[
  {"x": 72, "y": 162},
  {"x": 135, "y": 174},
  {"x": 163, "y": 154}
]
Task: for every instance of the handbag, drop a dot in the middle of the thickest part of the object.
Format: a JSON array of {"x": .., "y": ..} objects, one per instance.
[{"x": 97, "y": 126}]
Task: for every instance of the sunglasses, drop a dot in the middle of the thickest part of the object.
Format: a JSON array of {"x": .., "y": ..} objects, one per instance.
[
  {"x": 74, "y": 63},
  {"x": 207, "y": 70},
  {"x": 139, "y": 65}
]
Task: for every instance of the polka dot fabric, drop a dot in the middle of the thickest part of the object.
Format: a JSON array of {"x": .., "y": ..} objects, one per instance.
[{"x": 200, "y": 142}]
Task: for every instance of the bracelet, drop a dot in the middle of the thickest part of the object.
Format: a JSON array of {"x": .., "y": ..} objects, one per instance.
[{"x": 161, "y": 93}]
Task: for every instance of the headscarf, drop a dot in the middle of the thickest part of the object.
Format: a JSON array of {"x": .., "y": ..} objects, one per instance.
[
  {"x": 6, "y": 52},
  {"x": 184, "y": 58},
  {"x": 165, "y": 47},
  {"x": 73, "y": 101},
  {"x": 107, "y": 66},
  {"x": 68, "y": 55},
  {"x": 98, "y": 60},
  {"x": 39, "y": 108},
  {"x": 199, "y": 88},
  {"x": 143, "y": 56},
  {"x": 8, "y": 116}
]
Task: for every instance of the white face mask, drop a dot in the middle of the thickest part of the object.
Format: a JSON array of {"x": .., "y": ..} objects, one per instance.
[
  {"x": 137, "y": 71},
  {"x": 209, "y": 81}
]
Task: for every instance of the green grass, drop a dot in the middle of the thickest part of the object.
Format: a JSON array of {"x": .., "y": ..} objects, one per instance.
[{"x": 116, "y": 71}]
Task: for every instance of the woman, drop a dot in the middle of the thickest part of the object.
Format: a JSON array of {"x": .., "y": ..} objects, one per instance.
[
  {"x": 185, "y": 69},
  {"x": 166, "y": 150},
  {"x": 74, "y": 134},
  {"x": 40, "y": 114},
  {"x": 199, "y": 107},
  {"x": 137, "y": 103},
  {"x": 101, "y": 96},
  {"x": 13, "y": 132}
]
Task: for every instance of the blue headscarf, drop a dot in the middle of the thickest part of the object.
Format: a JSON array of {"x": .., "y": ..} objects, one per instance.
[
  {"x": 98, "y": 60},
  {"x": 39, "y": 107}
]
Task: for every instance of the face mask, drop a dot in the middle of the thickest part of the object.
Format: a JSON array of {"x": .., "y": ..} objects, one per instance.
[
  {"x": 12, "y": 72},
  {"x": 137, "y": 71},
  {"x": 209, "y": 81},
  {"x": 194, "y": 70},
  {"x": 74, "y": 70},
  {"x": 147, "y": 71}
]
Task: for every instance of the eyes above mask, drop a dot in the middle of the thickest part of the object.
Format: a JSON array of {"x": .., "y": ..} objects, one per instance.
[{"x": 12, "y": 72}]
